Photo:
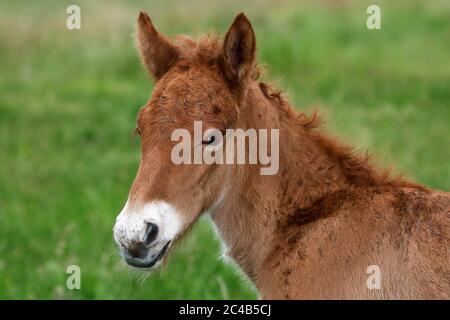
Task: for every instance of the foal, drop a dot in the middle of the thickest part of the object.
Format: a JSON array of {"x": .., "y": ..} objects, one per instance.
[{"x": 313, "y": 229}]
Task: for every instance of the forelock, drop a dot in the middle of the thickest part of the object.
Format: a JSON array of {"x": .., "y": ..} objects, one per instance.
[{"x": 205, "y": 49}]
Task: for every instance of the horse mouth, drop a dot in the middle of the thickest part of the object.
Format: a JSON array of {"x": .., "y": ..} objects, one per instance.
[{"x": 151, "y": 262}]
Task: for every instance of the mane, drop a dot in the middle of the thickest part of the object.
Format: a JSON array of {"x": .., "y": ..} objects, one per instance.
[{"x": 358, "y": 167}]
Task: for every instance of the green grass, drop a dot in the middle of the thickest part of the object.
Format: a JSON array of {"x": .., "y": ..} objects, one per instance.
[{"x": 68, "y": 102}]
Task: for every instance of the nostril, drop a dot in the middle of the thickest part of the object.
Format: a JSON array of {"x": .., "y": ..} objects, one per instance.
[{"x": 150, "y": 233}]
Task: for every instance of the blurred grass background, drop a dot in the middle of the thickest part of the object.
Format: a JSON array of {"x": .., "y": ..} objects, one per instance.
[{"x": 68, "y": 102}]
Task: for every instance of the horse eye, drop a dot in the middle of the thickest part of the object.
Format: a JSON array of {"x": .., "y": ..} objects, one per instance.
[
  {"x": 212, "y": 140},
  {"x": 137, "y": 131}
]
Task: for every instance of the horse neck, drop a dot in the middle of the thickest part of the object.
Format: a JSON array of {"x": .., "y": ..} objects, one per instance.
[{"x": 248, "y": 212}]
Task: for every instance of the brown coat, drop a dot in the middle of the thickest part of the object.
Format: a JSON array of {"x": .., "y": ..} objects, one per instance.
[{"x": 312, "y": 230}]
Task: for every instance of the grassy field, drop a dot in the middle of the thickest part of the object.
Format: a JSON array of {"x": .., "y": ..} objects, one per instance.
[{"x": 68, "y": 101}]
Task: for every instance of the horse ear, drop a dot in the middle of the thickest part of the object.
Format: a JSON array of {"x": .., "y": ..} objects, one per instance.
[
  {"x": 239, "y": 51},
  {"x": 157, "y": 53}
]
